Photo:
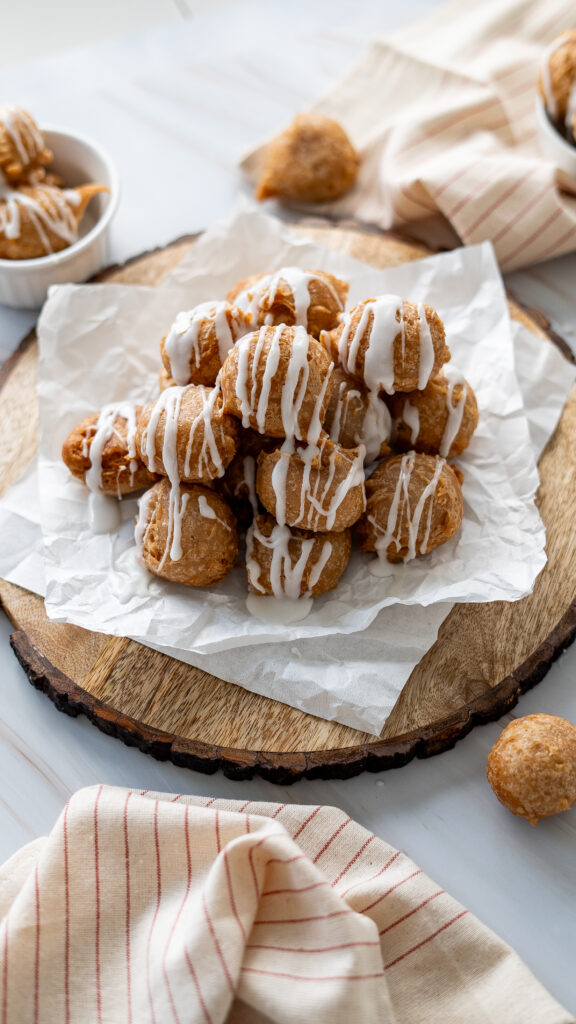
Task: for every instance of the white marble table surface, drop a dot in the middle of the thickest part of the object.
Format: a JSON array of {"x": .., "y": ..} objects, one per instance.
[{"x": 176, "y": 105}]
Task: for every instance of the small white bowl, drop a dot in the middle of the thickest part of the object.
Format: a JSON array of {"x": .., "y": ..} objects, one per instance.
[
  {"x": 78, "y": 160},
  {"x": 553, "y": 144}
]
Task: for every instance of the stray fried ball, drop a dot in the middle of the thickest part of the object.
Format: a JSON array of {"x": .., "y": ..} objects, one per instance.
[
  {"x": 532, "y": 766},
  {"x": 312, "y": 161}
]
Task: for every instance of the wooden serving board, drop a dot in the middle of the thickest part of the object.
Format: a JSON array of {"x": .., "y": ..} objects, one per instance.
[{"x": 485, "y": 655}]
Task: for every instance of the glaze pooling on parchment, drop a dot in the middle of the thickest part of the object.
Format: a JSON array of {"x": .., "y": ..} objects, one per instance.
[
  {"x": 169, "y": 403},
  {"x": 402, "y": 513}
]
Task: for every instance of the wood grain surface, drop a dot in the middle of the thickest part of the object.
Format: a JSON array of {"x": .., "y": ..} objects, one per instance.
[{"x": 485, "y": 655}]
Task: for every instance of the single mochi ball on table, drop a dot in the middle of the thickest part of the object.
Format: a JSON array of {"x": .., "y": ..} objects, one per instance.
[
  {"x": 285, "y": 562},
  {"x": 277, "y": 380},
  {"x": 557, "y": 81},
  {"x": 414, "y": 504},
  {"x": 312, "y": 299},
  {"x": 440, "y": 420},
  {"x": 22, "y": 146},
  {"x": 314, "y": 487},
  {"x": 199, "y": 340},
  {"x": 357, "y": 416},
  {"x": 532, "y": 766},
  {"x": 186, "y": 534},
  {"x": 312, "y": 161},
  {"x": 186, "y": 434},
  {"x": 388, "y": 344},
  {"x": 101, "y": 451}
]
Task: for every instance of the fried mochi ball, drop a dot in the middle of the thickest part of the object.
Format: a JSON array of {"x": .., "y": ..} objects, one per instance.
[
  {"x": 101, "y": 452},
  {"x": 440, "y": 420},
  {"x": 47, "y": 219},
  {"x": 414, "y": 504},
  {"x": 312, "y": 161},
  {"x": 557, "y": 80},
  {"x": 186, "y": 534},
  {"x": 22, "y": 146},
  {"x": 315, "y": 487},
  {"x": 532, "y": 766},
  {"x": 186, "y": 434},
  {"x": 389, "y": 345},
  {"x": 312, "y": 299},
  {"x": 357, "y": 416},
  {"x": 238, "y": 485},
  {"x": 277, "y": 380},
  {"x": 199, "y": 340},
  {"x": 284, "y": 561}
]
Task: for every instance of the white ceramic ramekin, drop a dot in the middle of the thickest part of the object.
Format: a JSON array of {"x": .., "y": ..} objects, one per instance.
[
  {"x": 24, "y": 283},
  {"x": 553, "y": 144}
]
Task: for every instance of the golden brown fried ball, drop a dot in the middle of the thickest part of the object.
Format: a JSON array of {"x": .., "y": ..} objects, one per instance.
[
  {"x": 312, "y": 299},
  {"x": 389, "y": 345},
  {"x": 315, "y": 487},
  {"x": 36, "y": 220},
  {"x": 356, "y": 416},
  {"x": 557, "y": 78},
  {"x": 22, "y": 146},
  {"x": 440, "y": 420},
  {"x": 312, "y": 161},
  {"x": 277, "y": 380},
  {"x": 414, "y": 504},
  {"x": 238, "y": 485},
  {"x": 116, "y": 468},
  {"x": 532, "y": 766},
  {"x": 199, "y": 340},
  {"x": 201, "y": 439},
  {"x": 186, "y": 534},
  {"x": 283, "y": 561}
]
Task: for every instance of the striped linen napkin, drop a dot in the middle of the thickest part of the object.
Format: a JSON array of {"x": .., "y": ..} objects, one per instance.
[
  {"x": 144, "y": 907},
  {"x": 444, "y": 115}
]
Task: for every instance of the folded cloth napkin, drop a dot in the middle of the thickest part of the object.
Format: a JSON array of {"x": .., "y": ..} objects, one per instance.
[
  {"x": 145, "y": 907},
  {"x": 444, "y": 115}
]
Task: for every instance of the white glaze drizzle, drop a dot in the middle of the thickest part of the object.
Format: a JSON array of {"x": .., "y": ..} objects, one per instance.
[
  {"x": 263, "y": 367},
  {"x": 169, "y": 403},
  {"x": 55, "y": 215},
  {"x": 286, "y": 579},
  {"x": 384, "y": 318},
  {"x": 375, "y": 425},
  {"x": 262, "y": 293},
  {"x": 427, "y": 356},
  {"x": 400, "y": 512},
  {"x": 455, "y": 411},
  {"x": 23, "y": 132},
  {"x": 102, "y": 432},
  {"x": 182, "y": 342},
  {"x": 207, "y": 512},
  {"x": 411, "y": 418}
]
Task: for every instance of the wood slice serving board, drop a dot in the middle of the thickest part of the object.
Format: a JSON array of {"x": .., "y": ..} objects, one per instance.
[{"x": 484, "y": 657}]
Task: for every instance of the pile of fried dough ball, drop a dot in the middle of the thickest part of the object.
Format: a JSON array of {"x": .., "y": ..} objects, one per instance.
[{"x": 285, "y": 415}]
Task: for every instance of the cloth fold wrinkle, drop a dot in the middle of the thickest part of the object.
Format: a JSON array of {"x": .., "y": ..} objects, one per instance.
[
  {"x": 152, "y": 907},
  {"x": 444, "y": 116}
]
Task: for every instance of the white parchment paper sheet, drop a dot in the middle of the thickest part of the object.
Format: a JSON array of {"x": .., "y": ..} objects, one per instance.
[{"x": 100, "y": 342}]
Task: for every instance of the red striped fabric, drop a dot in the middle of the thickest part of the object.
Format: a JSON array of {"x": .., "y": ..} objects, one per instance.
[{"x": 148, "y": 908}]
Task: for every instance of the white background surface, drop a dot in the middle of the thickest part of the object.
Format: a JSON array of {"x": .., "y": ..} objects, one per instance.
[{"x": 176, "y": 105}]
